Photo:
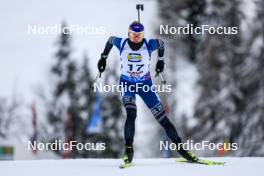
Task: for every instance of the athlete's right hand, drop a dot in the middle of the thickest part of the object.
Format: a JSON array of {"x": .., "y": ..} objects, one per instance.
[{"x": 102, "y": 63}]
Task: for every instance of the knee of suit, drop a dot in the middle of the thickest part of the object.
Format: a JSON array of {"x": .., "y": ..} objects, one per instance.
[
  {"x": 129, "y": 102},
  {"x": 158, "y": 112}
]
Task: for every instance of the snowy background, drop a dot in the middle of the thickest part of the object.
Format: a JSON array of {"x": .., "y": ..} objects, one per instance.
[
  {"x": 26, "y": 58},
  {"x": 218, "y": 87}
]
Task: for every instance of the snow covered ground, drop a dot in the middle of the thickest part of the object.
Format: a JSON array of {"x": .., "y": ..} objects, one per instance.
[{"x": 152, "y": 167}]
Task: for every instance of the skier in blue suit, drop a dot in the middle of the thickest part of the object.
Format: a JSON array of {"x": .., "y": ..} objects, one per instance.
[{"x": 135, "y": 54}]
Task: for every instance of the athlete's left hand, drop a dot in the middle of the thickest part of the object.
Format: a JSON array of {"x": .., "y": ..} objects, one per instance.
[{"x": 160, "y": 66}]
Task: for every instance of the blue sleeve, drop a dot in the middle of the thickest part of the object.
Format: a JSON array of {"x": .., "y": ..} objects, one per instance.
[
  {"x": 116, "y": 41},
  {"x": 112, "y": 41},
  {"x": 153, "y": 45}
]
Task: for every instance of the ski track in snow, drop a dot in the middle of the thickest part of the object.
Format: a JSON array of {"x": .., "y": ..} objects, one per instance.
[{"x": 109, "y": 167}]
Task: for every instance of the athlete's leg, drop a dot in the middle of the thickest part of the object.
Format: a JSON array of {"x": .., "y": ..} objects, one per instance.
[
  {"x": 152, "y": 100},
  {"x": 131, "y": 112},
  {"x": 129, "y": 103},
  {"x": 160, "y": 115}
]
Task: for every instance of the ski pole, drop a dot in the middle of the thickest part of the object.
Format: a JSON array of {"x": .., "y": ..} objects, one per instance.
[
  {"x": 94, "y": 81},
  {"x": 163, "y": 81},
  {"x": 139, "y": 7}
]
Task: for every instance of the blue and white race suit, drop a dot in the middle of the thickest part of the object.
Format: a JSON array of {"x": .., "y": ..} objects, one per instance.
[{"x": 135, "y": 69}]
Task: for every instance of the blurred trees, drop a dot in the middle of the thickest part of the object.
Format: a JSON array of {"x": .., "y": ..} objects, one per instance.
[
  {"x": 251, "y": 137},
  {"x": 231, "y": 104},
  {"x": 113, "y": 114},
  {"x": 181, "y": 13},
  {"x": 180, "y": 50},
  {"x": 71, "y": 107},
  {"x": 230, "y": 107},
  {"x": 10, "y": 121},
  {"x": 221, "y": 103}
]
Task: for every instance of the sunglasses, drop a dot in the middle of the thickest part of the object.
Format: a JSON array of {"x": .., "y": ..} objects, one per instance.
[{"x": 135, "y": 34}]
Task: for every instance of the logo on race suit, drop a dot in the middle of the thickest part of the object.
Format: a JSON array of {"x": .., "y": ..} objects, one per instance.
[
  {"x": 134, "y": 57},
  {"x": 134, "y": 74}
]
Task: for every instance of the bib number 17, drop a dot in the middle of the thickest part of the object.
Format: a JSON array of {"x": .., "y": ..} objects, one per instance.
[{"x": 138, "y": 67}]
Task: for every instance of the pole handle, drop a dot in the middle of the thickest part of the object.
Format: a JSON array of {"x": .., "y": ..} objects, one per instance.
[{"x": 139, "y": 7}]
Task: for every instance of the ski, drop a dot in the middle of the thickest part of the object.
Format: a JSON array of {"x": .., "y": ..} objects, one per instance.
[
  {"x": 125, "y": 165},
  {"x": 200, "y": 161}
]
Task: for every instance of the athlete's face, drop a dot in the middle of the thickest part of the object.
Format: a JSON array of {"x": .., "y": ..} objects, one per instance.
[{"x": 135, "y": 37}]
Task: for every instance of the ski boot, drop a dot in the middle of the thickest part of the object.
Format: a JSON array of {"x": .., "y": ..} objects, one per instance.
[
  {"x": 129, "y": 153},
  {"x": 188, "y": 155},
  {"x": 128, "y": 157}
]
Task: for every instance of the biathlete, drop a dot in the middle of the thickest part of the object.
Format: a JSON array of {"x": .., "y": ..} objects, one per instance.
[{"x": 135, "y": 54}]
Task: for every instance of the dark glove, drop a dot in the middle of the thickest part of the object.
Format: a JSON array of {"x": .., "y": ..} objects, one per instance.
[
  {"x": 102, "y": 63},
  {"x": 160, "y": 66}
]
